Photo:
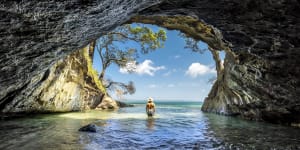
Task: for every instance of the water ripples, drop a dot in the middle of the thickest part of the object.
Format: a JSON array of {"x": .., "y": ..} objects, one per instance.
[{"x": 173, "y": 127}]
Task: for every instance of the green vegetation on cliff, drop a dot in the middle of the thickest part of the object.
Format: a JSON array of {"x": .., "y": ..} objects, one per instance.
[{"x": 91, "y": 71}]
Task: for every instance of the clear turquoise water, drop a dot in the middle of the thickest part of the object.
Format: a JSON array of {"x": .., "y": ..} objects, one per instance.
[{"x": 177, "y": 125}]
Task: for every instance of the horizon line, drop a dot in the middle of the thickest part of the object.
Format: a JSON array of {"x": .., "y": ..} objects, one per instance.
[{"x": 158, "y": 99}]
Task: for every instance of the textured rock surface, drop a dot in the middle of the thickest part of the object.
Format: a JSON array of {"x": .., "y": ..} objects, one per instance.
[
  {"x": 260, "y": 80},
  {"x": 36, "y": 34},
  {"x": 88, "y": 128},
  {"x": 123, "y": 104},
  {"x": 66, "y": 86},
  {"x": 107, "y": 103}
]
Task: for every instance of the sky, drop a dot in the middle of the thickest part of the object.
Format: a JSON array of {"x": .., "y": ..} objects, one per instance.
[{"x": 169, "y": 73}]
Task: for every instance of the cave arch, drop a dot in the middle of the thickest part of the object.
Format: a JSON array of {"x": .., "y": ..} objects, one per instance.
[
  {"x": 223, "y": 97},
  {"x": 264, "y": 75}
]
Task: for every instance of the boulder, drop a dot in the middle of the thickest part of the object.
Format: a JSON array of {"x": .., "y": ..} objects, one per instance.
[
  {"x": 107, "y": 103},
  {"x": 122, "y": 104},
  {"x": 88, "y": 128}
]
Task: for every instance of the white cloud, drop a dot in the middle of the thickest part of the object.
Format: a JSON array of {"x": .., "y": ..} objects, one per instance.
[
  {"x": 145, "y": 67},
  {"x": 177, "y": 56},
  {"x": 130, "y": 67},
  {"x": 169, "y": 72},
  {"x": 171, "y": 85},
  {"x": 152, "y": 86},
  {"x": 123, "y": 70},
  {"x": 197, "y": 69}
]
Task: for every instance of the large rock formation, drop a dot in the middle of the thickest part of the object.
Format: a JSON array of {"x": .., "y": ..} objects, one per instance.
[
  {"x": 260, "y": 79},
  {"x": 67, "y": 86}
]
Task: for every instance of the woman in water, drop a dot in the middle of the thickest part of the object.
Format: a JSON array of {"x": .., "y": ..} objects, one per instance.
[{"x": 150, "y": 107}]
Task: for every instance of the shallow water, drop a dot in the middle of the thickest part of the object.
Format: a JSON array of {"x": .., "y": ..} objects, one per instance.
[{"x": 175, "y": 126}]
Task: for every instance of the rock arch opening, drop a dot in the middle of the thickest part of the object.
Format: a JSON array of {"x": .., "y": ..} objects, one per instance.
[
  {"x": 261, "y": 73},
  {"x": 220, "y": 95},
  {"x": 173, "y": 68},
  {"x": 241, "y": 87}
]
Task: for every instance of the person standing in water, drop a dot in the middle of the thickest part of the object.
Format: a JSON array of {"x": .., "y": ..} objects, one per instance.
[{"x": 150, "y": 107}]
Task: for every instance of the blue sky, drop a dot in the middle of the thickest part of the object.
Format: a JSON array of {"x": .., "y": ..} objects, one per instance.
[{"x": 169, "y": 73}]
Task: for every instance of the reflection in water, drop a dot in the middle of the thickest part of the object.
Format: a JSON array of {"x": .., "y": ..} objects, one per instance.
[
  {"x": 44, "y": 132},
  {"x": 236, "y": 134},
  {"x": 150, "y": 123},
  {"x": 175, "y": 126}
]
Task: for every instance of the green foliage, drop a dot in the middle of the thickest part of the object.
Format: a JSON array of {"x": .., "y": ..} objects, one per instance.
[
  {"x": 110, "y": 52},
  {"x": 190, "y": 26},
  {"x": 92, "y": 72},
  {"x": 148, "y": 39}
]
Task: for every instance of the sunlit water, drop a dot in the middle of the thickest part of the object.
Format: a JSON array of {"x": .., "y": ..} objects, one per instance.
[{"x": 175, "y": 126}]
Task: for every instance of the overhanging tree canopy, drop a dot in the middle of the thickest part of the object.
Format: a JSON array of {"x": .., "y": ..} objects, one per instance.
[{"x": 110, "y": 51}]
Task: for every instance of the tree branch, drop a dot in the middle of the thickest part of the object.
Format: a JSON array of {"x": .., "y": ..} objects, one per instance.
[{"x": 125, "y": 36}]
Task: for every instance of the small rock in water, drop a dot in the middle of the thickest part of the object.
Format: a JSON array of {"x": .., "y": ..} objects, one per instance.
[{"x": 88, "y": 128}]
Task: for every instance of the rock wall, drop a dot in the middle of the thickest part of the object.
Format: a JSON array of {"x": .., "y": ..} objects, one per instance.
[
  {"x": 35, "y": 34},
  {"x": 260, "y": 79},
  {"x": 66, "y": 86}
]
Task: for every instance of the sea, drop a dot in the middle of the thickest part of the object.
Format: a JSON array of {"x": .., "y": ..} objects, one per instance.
[{"x": 176, "y": 125}]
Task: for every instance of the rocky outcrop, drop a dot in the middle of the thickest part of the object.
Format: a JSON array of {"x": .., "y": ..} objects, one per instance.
[
  {"x": 123, "y": 104},
  {"x": 88, "y": 128},
  {"x": 107, "y": 103},
  {"x": 260, "y": 79},
  {"x": 66, "y": 86},
  {"x": 36, "y": 34}
]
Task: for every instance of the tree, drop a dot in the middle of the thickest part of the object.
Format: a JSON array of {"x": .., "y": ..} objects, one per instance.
[
  {"x": 120, "y": 88},
  {"x": 192, "y": 44},
  {"x": 110, "y": 51}
]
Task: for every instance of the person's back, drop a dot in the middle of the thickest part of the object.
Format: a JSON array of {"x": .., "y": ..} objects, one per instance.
[{"x": 150, "y": 107}]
